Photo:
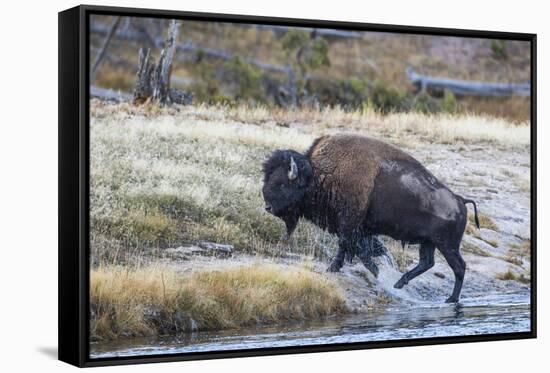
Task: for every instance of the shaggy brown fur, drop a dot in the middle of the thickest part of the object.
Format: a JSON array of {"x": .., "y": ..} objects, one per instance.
[{"x": 348, "y": 164}]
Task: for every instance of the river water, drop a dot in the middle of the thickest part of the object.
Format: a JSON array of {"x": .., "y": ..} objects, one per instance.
[{"x": 499, "y": 313}]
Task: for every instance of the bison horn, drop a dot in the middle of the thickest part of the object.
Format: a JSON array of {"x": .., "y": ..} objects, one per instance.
[{"x": 293, "y": 172}]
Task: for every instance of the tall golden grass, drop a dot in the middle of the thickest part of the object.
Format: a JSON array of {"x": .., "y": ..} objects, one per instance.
[
  {"x": 440, "y": 128},
  {"x": 156, "y": 300}
]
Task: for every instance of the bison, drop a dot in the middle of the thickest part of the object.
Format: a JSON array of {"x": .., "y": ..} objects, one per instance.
[{"x": 357, "y": 187}]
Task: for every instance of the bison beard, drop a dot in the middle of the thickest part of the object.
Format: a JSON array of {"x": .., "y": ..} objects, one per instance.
[{"x": 357, "y": 188}]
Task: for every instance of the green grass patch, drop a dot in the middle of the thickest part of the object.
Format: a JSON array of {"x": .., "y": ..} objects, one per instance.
[{"x": 138, "y": 227}]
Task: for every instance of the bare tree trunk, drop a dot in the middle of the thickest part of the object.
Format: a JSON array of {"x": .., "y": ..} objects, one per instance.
[
  {"x": 161, "y": 88},
  {"x": 103, "y": 49},
  {"x": 153, "y": 79},
  {"x": 144, "y": 89}
]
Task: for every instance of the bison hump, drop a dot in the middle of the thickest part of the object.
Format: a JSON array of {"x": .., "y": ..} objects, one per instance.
[{"x": 348, "y": 165}]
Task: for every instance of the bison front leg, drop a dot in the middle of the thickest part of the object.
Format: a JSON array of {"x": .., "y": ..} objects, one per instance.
[
  {"x": 346, "y": 244},
  {"x": 338, "y": 260},
  {"x": 347, "y": 240},
  {"x": 364, "y": 254},
  {"x": 367, "y": 248}
]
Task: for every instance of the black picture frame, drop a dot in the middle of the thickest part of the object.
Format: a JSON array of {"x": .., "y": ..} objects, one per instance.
[{"x": 74, "y": 183}]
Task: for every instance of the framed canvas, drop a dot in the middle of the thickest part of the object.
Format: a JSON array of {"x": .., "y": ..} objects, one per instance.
[{"x": 235, "y": 186}]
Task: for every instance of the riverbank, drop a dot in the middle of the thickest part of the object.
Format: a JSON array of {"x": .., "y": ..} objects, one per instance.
[{"x": 174, "y": 294}]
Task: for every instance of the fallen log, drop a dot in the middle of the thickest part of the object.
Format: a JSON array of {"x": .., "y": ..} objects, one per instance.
[
  {"x": 325, "y": 32},
  {"x": 109, "y": 94},
  {"x": 203, "y": 249},
  {"x": 424, "y": 83}
]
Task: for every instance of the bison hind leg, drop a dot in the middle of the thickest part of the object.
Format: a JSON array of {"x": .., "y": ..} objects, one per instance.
[
  {"x": 427, "y": 250},
  {"x": 369, "y": 247},
  {"x": 457, "y": 264}
]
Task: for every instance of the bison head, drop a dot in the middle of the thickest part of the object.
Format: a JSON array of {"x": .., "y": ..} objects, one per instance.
[{"x": 287, "y": 175}]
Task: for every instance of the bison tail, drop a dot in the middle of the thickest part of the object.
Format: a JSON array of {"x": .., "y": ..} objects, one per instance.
[{"x": 465, "y": 201}]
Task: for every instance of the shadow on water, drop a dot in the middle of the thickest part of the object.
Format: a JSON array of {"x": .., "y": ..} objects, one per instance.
[{"x": 487, "y": 315}]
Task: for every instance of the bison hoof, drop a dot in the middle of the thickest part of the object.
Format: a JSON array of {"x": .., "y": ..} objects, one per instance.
[
  {"x": 333, "y": 268},
  {"x": 399, "y": 284}
]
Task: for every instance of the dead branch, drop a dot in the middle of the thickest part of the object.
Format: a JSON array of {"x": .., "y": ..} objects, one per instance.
[{"x": 103, "y": 48}]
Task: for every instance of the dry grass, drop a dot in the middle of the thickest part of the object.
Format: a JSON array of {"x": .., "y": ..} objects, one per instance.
[
  {"x": 403, "y": 256},
  {"x": 474, "y": 249},
  {"x": 518, "y": 252},
  {"x": 524, "y": 183},
  {"x": 156, "y": 300},
  {"x": 485, "y": 221},
  {"x": 506, "y": 276},
  {"x": 514, "y": 260},
  {"x": 524, "y": 248},
  {"x": 441, "y": 128},
  {"x": 493, "y": 243},
  {"x": 515, "y": 108},
  {"x": 381, "y": 300},
  {"x": 472, "y": 230},
  {"x": 510, "y": 275}
]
